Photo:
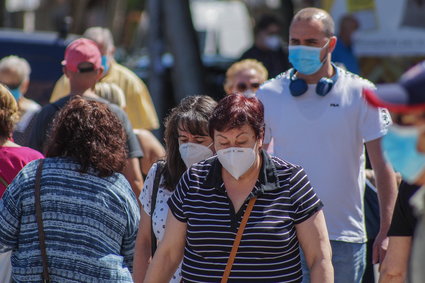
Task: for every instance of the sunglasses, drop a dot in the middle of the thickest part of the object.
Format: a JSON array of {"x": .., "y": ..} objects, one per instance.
[
  {"x": 86, "y": 70},
  {"x": 243, "y": 86}
]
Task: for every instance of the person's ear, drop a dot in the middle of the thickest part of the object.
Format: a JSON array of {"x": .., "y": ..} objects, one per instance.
[
  {"x": 24, "y": 86},
  {"x": 261, "y": 139},
  {"x": 99, "y": 72},
  {"x": 332, "y": 43},
  {"x": 421, "y": 142},
  {"x": 65, "y": 71}
]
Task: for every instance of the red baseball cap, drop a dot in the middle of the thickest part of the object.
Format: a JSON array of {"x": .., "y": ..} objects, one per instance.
[
  {"x": 407, "y": 95},
  {"x": 79, "y": 51}
]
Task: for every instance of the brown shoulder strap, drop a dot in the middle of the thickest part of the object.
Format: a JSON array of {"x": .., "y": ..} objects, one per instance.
[
  {"x": 45, "y": 274},
  {"x": 3, "y": 181},
  {"x": 237, "y": 240}
]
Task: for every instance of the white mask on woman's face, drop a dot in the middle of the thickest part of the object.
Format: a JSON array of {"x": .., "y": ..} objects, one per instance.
[
  {"x": 237, "y": 160},
  {"x": 192, "y": 153}
]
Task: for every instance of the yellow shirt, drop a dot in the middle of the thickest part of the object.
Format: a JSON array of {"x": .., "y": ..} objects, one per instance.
[{"x": 140, "y": 109}]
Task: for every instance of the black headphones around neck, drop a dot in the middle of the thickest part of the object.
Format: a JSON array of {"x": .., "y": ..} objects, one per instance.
[{"x": 298, "y": 87}]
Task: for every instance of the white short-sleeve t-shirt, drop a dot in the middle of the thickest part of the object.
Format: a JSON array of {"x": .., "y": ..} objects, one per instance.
[
  {"x": 326, "y": 136},
  {"x": 161, "y": 209}
]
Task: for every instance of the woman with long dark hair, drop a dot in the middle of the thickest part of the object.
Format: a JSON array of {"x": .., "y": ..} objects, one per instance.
[{"x": 187, "y": 142}]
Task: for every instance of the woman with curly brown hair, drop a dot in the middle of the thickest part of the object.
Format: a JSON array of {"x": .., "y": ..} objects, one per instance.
[{"x": 89, "y": 212}]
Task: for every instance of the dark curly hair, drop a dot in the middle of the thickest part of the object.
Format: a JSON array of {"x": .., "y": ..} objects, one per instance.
[
  {"x": 88, "y": 132},
  {"x": 190, "y": 115}
]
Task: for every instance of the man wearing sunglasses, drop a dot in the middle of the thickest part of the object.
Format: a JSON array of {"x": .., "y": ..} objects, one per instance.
[
  {"x": 317, "y": 118},
  {"x": 82, "y": 66},
  {"x": 404, "y": 147}
]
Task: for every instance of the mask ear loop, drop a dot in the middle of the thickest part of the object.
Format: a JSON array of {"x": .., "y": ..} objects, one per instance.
[{"x": 324, "y": 46}]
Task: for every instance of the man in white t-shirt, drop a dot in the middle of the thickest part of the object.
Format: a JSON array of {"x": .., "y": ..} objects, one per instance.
[{"x": 317, "y": 118}]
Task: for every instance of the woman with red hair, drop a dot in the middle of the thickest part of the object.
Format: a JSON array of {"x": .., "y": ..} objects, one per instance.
[{"x": 242, "y": 215}]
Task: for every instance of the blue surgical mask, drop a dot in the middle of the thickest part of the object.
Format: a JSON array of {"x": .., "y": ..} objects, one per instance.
[
  {"x": 16, "y": 93},
  {"x": 399, "y": 146},
  {"x": 306, "y": 59},
  {"x": 105, "y": 64}
]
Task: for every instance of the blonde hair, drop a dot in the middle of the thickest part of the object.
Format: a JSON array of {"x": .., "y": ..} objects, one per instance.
[
  {"x": 9, "y": 113},
  {"x": 111, "y": 92},
  {"x": 244, "y": 65}
]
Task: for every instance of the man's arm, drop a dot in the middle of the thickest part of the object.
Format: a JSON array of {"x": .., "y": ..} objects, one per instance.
[
  {"x": 151, "y": 147},
  {"x": 394, "y": 266},
  {"x": 133, "y": 174},
  {"x": 387, "y": 193}
]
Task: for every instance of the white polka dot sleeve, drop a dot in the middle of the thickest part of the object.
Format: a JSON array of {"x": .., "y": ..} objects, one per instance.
[{"x": 146, "y": 194}]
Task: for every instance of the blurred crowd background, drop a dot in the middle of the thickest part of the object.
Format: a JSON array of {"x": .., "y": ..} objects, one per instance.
[{"x": 184, "y": 47}]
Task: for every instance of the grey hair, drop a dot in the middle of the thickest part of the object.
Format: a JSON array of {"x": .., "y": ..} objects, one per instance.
[
  {"x": 16, "y": 65},
  {"x": 310, "y": 14},
  {"x": 111, "y": 92},
  {"x": 101, "y": 36}
]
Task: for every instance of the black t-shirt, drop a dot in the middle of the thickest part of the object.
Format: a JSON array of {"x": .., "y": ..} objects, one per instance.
[
  {"x": 404, "y": 221},
  {"x": 44, "y": 118}
]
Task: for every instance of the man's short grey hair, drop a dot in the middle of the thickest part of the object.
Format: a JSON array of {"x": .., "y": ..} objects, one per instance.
[
  {"x": 310, "y": 14},
  {"x": 100, "y": 35},
  {"x": 16, "y": 65}
]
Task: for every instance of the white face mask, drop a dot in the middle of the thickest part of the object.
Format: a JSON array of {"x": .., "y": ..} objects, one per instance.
[
  {"x": 249, "y": 93},
  {"x": 273, "y": 42},
  {"x": 192, "y": 153},
  {"x": 236, "y": 160}
]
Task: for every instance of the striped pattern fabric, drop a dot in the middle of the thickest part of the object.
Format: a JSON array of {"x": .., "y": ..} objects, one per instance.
[
  {"x": 269, "y": 249},
  {"x": 90, "y": 224}
]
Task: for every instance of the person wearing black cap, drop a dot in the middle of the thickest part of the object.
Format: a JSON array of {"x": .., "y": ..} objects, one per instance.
[{"x": 404, "y": 147}]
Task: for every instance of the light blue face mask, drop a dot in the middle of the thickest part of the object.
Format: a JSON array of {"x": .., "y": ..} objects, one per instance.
[
  {"x": 105, "y": 64},
  {"x": 399, "y": 146},
  {"x": 16, "y": 93},
  {"x": 306, "y": 59}
]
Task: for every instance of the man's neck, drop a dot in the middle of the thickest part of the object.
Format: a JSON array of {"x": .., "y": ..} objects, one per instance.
[{"x": 87, "y": 93}]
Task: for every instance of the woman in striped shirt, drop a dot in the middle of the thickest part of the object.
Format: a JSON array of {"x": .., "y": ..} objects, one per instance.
[{"x": 211, "y": 197}]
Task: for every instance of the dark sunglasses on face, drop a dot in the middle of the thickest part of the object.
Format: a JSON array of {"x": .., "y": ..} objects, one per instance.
[
  {"x": 243, "y": 86},
  {"x": 86, "y": 70}
]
